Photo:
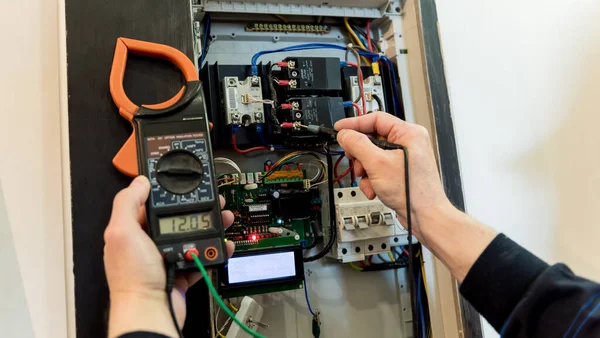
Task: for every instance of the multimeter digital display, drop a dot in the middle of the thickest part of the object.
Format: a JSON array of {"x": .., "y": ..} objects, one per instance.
[
  {"x": 185, "y": 223},
  {"x": 174, "y": 152}
]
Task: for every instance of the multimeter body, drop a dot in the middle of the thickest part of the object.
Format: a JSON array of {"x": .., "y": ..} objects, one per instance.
[{"x": 174, "y": 151}]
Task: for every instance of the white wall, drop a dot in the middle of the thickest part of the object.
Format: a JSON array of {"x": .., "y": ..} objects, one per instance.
[
  {"x": 524, "y": 80},
  {"x": 30, "y": 172}
]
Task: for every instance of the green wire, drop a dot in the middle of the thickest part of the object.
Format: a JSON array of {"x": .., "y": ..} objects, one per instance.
[{"x": 224, "y": 307}]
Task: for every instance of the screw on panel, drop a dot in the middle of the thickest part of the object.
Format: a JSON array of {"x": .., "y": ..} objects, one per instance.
[
  {"x": 294, "y": 73},
  {"x": 298, "y": 115},
  {"x": 295, "y": 105},
  {"x": 291, "y": 64},
  {"x": 276, "y": 38},
  {"x": 255, "y": 80},
  {"x": 232, "y": 82},
  {"x": 258, "y": 116}
]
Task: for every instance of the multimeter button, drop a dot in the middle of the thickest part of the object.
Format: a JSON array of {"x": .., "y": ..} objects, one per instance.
[
  {"x": 188, "y": 254},
  {"x": 179, "y": 171}
]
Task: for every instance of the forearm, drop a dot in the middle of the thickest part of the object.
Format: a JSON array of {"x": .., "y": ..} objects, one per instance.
[
  {"x": 147, "y": 312},
  {"x": 454, "y": 237}
]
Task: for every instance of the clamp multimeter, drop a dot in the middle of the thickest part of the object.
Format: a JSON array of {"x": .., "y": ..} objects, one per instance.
[{"x": 171, "y": 146}]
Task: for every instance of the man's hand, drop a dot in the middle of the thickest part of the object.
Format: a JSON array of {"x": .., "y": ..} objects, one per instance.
[
  {"x": 436, "y": 222},
  {"x": 382, "y": 171},
  {"x": 135, "y": 270}
]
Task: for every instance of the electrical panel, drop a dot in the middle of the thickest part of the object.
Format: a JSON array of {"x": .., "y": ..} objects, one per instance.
[{"x": 364, "y": 227}]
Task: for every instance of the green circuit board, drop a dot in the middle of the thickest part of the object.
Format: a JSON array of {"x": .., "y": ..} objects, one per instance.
[{"x": 269, "y": 213}]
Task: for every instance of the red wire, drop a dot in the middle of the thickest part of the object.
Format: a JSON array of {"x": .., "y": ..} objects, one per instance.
[
  {"x": 244, "y": 151},
  {"x": 352, "y": 175},
  {"x": 362, "y": 90},
  {"x": 405, "y": 251},
  {"x": 338, "y": 178},
  {"x": 368, "y": 29},
  {"x": 358, "y": 110},
  {"x": 360, "y": 84},
  {"x": 335, "y": 166}
]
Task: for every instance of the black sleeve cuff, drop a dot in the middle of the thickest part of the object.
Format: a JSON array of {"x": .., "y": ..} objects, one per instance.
[
  {"x": 142, "y": 334},
  {"x": 499, "y": 279}
]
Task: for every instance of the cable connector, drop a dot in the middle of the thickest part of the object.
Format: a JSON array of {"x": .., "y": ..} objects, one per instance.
[
  {"x": 375, "y": 67},
  {"x": 316, "y": 325},
  {"x": 234, "y": 128},
  {"x": 286, "y": 105},
  {"x": 283, "y": 82},
  {"x": 343, "y": 64},
  {"x": 354, "y": 184},
  {"x": 282, "y": 64},
  {"x": 259, "y": 127},
  {"x": 347, "y": 104},
  {"x": 254, "y": 70},
  {"x": 287, "y": 125}
]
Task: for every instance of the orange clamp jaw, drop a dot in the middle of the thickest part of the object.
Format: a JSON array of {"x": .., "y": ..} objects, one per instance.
[{"x": 126, "y": 159}]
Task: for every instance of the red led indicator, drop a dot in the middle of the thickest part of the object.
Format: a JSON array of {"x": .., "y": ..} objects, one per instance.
[{"x": 253, "y": 237}]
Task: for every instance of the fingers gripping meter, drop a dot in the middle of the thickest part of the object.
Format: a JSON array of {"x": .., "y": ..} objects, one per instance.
[{"x": 171, "y": 146}]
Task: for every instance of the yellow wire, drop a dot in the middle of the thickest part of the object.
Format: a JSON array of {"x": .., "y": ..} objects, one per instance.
[
  {"x": 391, "y": 257},
  {"x": 423, "y": 274},
  {"x": 233, "y": 307},
  {"x": 282, "y": 18},
  {"x": 353, "y": 36},
  {"x": 355, "y": 267},
  {"x": 220, "y": 334}
]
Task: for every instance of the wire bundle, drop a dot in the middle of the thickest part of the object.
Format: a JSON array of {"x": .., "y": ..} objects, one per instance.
[
  {"x": 291, "y": 157},
  {"x": 205, "y": 43}
]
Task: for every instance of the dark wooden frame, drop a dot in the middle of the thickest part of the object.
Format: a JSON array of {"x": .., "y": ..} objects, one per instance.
[{"x": 444, "y": 129}]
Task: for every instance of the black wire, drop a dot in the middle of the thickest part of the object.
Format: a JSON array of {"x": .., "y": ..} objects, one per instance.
[
  {"x": 411, "y": 282},
  {"x": 313, "y": 227},
  {"x": 379, "y": 102},
  {"x": 332, "y": 226},
  {"x": 364, "y": 34},
  {"x": 170, "y": 284},
  {"x": 273, "y": 96}
]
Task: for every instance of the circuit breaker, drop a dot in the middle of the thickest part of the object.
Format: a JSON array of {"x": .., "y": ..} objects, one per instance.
[{"x": 365, "y": 227}]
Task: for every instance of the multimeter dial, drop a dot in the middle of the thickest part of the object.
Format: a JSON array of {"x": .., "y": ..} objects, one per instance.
[{"x": 179, "y": 171}]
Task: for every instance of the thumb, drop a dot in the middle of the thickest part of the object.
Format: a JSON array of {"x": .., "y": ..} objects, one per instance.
[
  {"x": 128, "y": 201},
  {"x": 358, "y": 145}
]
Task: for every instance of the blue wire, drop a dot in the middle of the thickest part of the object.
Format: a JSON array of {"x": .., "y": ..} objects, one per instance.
[
  {"x": 307, "y": 301},
  {"x": 585, "y": 321},
  {"x": 264, "y": 142},
  {"x": 375, "y": 57},
  {"x": 205, "y": 40},
  {"x": 395, "y": 99},
  {"x": 420, "y": 305}
]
